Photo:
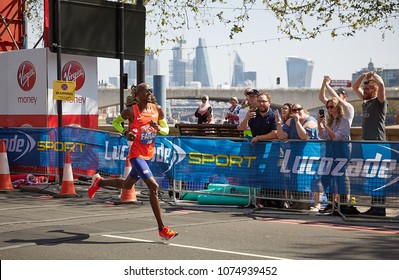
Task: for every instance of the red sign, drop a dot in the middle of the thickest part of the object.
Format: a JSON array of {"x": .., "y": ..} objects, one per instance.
[
  {"x": 73, "y": 71},
  {"x": 26, "y": 76}
]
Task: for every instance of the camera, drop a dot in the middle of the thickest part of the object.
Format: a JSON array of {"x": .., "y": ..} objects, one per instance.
[{"x": 321, "y": 112}]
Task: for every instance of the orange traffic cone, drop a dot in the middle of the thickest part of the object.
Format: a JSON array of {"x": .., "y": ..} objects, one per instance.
[
  {"x": 127, "y": 196},
  {"x": 5, "y": 178},
  {"x": 67, "y": 187}
]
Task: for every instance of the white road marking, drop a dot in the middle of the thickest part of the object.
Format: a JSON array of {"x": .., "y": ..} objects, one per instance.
[{"x": 196, "y": 248}]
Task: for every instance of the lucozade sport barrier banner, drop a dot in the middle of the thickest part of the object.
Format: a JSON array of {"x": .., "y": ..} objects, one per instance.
[
  {"x": 364, "y": 167},
  {"x": 38, "y": 150}
]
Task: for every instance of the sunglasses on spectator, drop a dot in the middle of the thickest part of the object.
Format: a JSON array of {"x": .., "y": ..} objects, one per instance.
[
  {"x": 296, "y": 109},
  {"x": 330, "y": 107},
  {"x": 148, "y": 90}
]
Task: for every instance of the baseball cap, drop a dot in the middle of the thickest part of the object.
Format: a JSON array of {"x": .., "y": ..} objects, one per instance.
[
  {"x": 341, "y": 91},
  {"x": 253, "y": 91}
]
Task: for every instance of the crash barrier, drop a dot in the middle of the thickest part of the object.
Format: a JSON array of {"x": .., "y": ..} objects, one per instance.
[
  {"x": 285, "y": 170},
  {"x": 40, "y": 151},
  {"x": 300, "y": 172}
]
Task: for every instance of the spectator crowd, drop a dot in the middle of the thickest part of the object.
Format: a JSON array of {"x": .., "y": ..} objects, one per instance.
[{"x": 260, "y": 122}]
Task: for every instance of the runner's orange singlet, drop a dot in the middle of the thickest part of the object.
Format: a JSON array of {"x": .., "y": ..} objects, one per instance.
[{"x": 143, "y": 146}]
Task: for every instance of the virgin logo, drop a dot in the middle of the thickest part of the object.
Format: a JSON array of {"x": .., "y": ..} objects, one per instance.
[
  {"x": 26, "y": 76},
  {"x": 73, "y": 71}
]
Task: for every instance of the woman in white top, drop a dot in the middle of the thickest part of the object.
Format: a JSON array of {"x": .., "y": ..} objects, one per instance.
[{"x": 204, "y": 110}]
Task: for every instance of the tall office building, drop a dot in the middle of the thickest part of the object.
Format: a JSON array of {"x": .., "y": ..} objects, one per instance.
[
  {"x": 130, "y": 68},
  {"x": 389, "y": 76},
  {"x": 238, "y": 71},
  {"x": 151, "y": 68},
  {"x": 113, "y": 81},
  {"x": 180, "y": 69},
  {"x": 299, "y": 71},
  {"x": 201, "y": 68},
  {"x": 250, "y": 79},
  {"x": 240, "y": 77}
]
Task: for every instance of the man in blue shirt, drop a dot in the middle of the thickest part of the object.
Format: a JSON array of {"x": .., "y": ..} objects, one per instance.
[{"x": 261, "y": 121}]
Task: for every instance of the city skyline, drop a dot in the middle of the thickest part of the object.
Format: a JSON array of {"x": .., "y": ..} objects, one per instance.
[
  {"x": 114, "y": 80},
  {"x": 264, "y": 51},
  {"x": 224, "y": 74}
]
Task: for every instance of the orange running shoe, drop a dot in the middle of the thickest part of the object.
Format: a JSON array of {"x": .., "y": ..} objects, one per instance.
[
  {"x": 167, "y": 234},
  {"x": 94, "y": 185}
]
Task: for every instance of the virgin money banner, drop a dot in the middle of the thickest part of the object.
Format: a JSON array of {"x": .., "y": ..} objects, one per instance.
[
  {"x": 361, "y": 168},
  {"x": 83, "y": 109},
  {"x": 83, "y": 71},
  {"x": 26, "y": 78},
  {"x": 26, "y": 87}
]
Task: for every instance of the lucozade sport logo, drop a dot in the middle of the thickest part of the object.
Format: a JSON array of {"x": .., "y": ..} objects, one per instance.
[
  {"x": 26, "y": 76},
  {"x": 374, "y": 167},
  {"x": 168, "y": 153},
  {"x": 21, "y": 144},
  {"x": 73, "y": 71}
]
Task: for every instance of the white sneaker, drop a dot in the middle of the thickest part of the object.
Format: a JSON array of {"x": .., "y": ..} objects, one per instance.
[{"x": 314, "y": 209}]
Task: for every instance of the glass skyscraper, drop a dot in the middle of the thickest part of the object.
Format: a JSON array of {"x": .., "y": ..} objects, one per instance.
[
  {"x": 299, "y": 72},
  {"x": 238, "y": 71},
  {"x": 151, "y": 67},
  {"x": 240, "y": 77},
  {"x": 180, "y": 69},
  {"x": 389, "y": 76},
  {"x": 201, "y": 68}
]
